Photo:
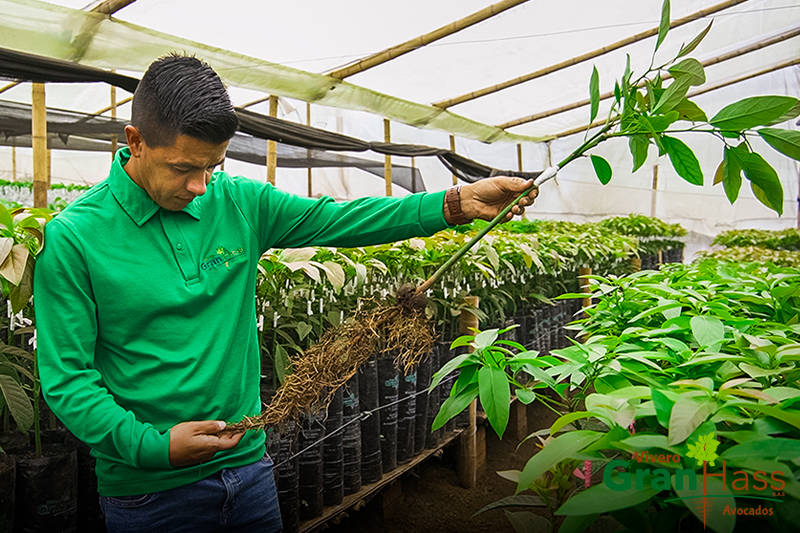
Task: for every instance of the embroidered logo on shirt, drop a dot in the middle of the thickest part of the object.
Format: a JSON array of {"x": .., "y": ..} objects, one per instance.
[{"x": 222, "y": 256}]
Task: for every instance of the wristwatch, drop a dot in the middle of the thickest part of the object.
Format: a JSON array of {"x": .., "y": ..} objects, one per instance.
[{"x": 453, "y": 200}]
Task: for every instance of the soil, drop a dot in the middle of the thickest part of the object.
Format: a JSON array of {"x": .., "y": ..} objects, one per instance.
[{"x": 432, "y": 501}]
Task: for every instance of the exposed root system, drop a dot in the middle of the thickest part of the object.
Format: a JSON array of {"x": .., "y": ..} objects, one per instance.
[{"x": 326, "y": 366}]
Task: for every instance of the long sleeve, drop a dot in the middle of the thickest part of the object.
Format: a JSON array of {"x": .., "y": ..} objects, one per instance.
[
  {"x": 67, "y": 332},
  {"x": 283, "y": 220}
]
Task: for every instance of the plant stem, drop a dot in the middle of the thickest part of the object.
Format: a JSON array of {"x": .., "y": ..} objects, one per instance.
[
  {"x": 589, "y": 144},
  {"x": 37, "y": 432}
]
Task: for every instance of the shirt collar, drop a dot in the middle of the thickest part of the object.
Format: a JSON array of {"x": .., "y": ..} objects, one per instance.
[{"x": 134, "y": 200}]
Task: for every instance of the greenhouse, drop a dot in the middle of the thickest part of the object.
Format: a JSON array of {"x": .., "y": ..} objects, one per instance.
[{"x": 524, "y": 266}]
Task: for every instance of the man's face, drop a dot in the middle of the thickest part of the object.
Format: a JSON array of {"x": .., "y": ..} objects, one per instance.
[{"x": 174, "y": 175}]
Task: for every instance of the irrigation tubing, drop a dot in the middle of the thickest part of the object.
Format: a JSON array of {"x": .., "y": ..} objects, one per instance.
[{"x": 362, "y": 416}]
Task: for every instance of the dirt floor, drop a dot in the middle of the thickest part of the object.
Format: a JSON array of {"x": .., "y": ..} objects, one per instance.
[{"x": 432, "y": 500}]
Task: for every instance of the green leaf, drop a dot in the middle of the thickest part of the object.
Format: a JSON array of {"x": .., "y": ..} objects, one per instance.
[
  {"x": 663, "y": 405},
  {"x": 687, "y": 414},
  {"x": 602, "y": 499},
  {"x": 495, "y": 397},
  {"x": 683, "y": 160},
  {"x": 6, "y": 219},
  {"x": 731, "y": 175},
  {"x": 18, "y": 402},
  {"x": 525, "y": 522},
  {"x": 602, "y": 169},
  {"x": 577, "y": 523},
  {"x": 690, "y": 68},
  {"x": 526, "y": 396},
  {"x": 768, "y": 448},
  {"x": 707, "y": 330},
  {"x": 717, "y": 520},
  {"x": 688, "y": 110},
  {"x": 751, "y": 112},
  {"x": 764, "y": 180},
  {"x": 485, "y": 339},
  {"x": 689, "y": 48},
  {"x": 282, "y": 362},
  {"x": 454, "y": 405},
  {"x": 594, "y": 94},
  {"x": 663, "y": 28},
  {"x": 556, "y": 450},
  {"x": 13, "y": 268},
  {"x": 21, "y": 294},
  {"x": 449, "y": 366},
  {"x": 674, "y": 94},
  {"x": 786, "y": 142},
  {"x": 568, "y": 419},
  {"x": 335, "y": 274},
  {"x": 638, "y": 145}
]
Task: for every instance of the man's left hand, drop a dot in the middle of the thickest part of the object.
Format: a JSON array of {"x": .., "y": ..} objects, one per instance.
[{"x": 485, "y": 198}]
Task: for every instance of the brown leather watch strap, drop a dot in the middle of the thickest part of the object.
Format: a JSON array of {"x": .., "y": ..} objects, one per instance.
[{"x": 453, "y": 200}]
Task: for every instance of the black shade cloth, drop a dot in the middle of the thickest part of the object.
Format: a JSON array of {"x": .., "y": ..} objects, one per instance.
[
  {"x": 16, "y": 65},
  {"x": 69, "y": 130},
  {"x": 23, "y": 66}
]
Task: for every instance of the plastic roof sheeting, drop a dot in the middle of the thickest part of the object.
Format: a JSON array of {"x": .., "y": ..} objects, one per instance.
[{"x": 318, "y": 36}]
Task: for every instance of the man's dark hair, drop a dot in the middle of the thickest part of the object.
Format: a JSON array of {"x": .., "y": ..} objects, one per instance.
[{"x": 182, "y": 95}]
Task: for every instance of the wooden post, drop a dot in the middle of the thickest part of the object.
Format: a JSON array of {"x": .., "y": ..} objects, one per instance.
[
  {"x": 413, "y": 174},
  {"x": 654, "y": 194},
  {"x": 585, "y": 288},
  {"x": 13, "y": 163},
  {"x": 49, "y": 167},
  {"x": 308, "y": 152},
  {"x": 519, "y": 157},
  {"x": 39, "y": 143},
  {"x": 114, "y": 138},
  {"x": 387, "y": 159},
  {"x": 467, "y": 464},
  {"x": 272, "y": 146},
  {"x": 453, "y": 149}
]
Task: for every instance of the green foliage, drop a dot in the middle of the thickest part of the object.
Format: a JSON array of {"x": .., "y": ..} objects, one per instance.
[
  {"x": 646, "y": 110},
  {"x": 785, "y": 239},
  {"x": 748, "y": 254}
]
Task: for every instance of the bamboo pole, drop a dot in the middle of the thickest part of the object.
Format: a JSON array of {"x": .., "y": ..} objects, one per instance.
[
  {"x": 444, "y": 104},
  {"x": 519, "y": 157},
  {"x": 413, "y": 174},
  {"x": 109, "y": 7},
  {"x": 692, "y": 94},
  {"x": 605, "y": 96},
  {"x": 387, "y": 159},
  {"x": 49, "y": 167},
  {"x": 13, "y": 163},
  {"x": 453, "y": 149},
  {"x": 388, "y": 54},
  {"x": 114, "y": 137},
  {"x": 654, "y": 193},
  {"x": 308, "y": 152},
  {"x": 39, "y": 144},
  {"x": 9, "y": 86},
  {"x": 272, "y": 146},
  {"x": 110, "y": 107},
  {"x": 585, "y": 287},
  {"x": 467, "y": 465}
]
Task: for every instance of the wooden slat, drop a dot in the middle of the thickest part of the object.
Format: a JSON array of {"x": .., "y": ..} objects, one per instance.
[
  {"x": 384, "y": 56},
  {"x": 387, "y": 159},
  {"x": 39, "y": 144},
  {"x": 605, "y": 96},
  {"x": 692, "y": 94},
  {"x": 444, "y": 104},
  {"x": 272, "y": 146}
]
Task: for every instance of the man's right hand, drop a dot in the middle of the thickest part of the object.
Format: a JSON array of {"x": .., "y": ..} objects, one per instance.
[{"x": 192, "y": 443}]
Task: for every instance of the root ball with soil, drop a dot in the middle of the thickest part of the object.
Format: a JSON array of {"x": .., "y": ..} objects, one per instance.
[{"x": 402, "y": 329}]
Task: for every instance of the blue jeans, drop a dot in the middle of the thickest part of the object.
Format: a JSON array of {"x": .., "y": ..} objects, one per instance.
[{"x": 240, "y": 499}]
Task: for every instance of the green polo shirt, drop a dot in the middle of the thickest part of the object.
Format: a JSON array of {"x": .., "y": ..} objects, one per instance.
[{"x": 146, "y": 317}]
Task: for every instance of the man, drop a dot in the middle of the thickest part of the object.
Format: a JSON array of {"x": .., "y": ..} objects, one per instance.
[{"x": 147, "y": 345}]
